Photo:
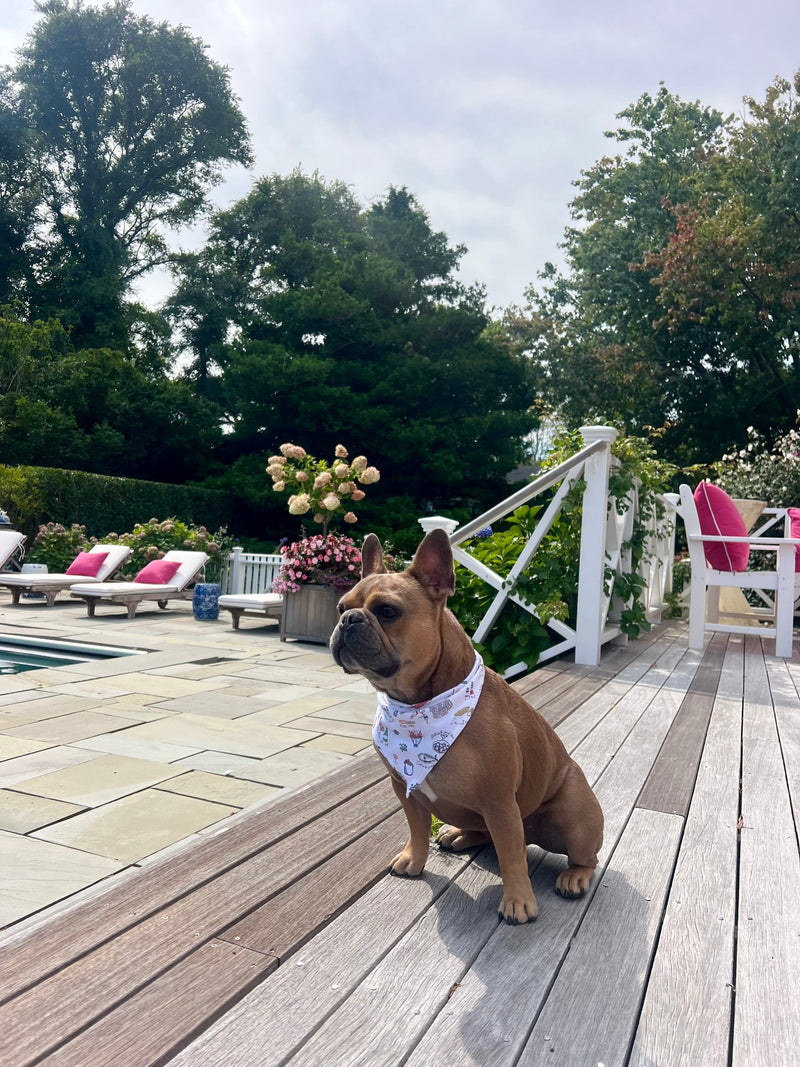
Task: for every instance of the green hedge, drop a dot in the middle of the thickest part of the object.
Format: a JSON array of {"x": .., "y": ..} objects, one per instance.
[{"x": 35, "y": 495}]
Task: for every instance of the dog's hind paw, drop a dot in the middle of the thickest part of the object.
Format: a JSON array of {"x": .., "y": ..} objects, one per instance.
[
  {"x": 574, "y": 881},
  {"x": 454, "y": 840}
]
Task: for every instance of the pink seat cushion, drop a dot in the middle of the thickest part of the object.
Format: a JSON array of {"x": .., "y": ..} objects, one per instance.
[
  {"x": 794, "y": 517},
  {"x": 719, "y": 516},
  {"x": 87, "y": 564},
  {"x": 158, "y": 572}
]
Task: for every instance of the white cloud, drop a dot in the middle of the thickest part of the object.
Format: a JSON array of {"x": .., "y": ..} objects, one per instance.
[{"x": 486, "y": 109}]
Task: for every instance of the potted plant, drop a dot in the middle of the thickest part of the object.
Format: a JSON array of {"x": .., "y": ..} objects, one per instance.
[
  {"x": 315, "y": 572},
  {"x": 317, "y": 569}
]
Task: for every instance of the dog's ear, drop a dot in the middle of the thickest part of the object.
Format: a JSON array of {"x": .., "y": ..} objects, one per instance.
[
  {"x": 433, "y": 564},
  {"x": 372, "y": 556}
]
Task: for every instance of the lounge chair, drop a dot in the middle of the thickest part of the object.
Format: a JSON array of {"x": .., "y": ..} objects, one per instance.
[
  {"x": 146, "y": 586},
  {"x": 10, "y": 542},
  {"x": 268, "y": 605},
  {"x": 52, "y": 584}
]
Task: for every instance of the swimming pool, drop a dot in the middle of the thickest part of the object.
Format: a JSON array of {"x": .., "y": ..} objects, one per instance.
[{"x": 25, "y": 653}]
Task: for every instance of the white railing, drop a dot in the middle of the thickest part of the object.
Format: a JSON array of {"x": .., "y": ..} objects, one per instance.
[
  {"x": 249, "y": 572},
  {"x": 605, "y": 533},
  {"x": 604, "y": 549}
]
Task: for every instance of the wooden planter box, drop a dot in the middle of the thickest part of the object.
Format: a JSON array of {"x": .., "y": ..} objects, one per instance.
[{"x": 310, "y": 614}]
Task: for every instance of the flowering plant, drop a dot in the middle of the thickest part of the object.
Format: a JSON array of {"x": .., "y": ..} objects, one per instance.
[
  {"x": 152, "y": 540},
  {"x": 323, "y": 489},
  {"x": 758, "y": 472},
  {"x": 325, "y": 559},
  {"x": 57, "y": 545}
]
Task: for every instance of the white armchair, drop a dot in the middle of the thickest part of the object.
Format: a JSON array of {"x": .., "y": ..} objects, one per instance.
[{"x": 775, "y": 586}]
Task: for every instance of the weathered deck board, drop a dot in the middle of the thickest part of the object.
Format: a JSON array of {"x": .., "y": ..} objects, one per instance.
[
  {"x": 281, "y": 942},
  {"x": 299, "y": 996},
  {"x": 686, "y": 1015},
  {"x": 593, "y": 1006},
  {"x": 176, "y": 1007},
  {"x": 670, "y": 783},
  {"x": 769, "y": 876},
  {"x": 283, "y": 924},
  {"x": 119, "y": 968}
]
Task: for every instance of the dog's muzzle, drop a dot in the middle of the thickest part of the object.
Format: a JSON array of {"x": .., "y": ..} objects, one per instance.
[{"x": 357, "y": 646}]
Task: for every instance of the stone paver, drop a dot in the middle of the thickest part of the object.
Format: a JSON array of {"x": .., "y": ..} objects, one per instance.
[
  {"x": 103, "y": 764},
  {"x": 98, "y": 782},
  {"x": 223, "y": 789},
  {"x": 38, "y": 873},
  {"x": 135, "y": 826},
  {"x": 294, "y": 767},
  {"x": 21, "y": 813}
]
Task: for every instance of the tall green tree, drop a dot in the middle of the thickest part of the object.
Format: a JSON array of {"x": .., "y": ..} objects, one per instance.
[
  {"x": 20, "y": 196},
  {"x": 349, "y": 324},
  {"x": 133, "y": 123},
  {"x": 728, "y": 279},
  {"x": 594, "y": 329},
  {"x": 679, "y": 304},
  {"x": 95, "y": 410}
]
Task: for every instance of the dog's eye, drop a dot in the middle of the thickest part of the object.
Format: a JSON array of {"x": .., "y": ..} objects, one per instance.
[{"x": 387, "y": 612}]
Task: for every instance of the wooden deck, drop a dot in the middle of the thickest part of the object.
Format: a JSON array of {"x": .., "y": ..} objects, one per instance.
[{"x": 282, "y": 940}]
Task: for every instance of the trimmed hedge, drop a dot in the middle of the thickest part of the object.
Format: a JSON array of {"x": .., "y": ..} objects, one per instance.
[{"x": 35, "y": 495}]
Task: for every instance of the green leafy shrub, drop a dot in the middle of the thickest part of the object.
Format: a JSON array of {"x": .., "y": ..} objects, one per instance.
[
  {"x": 153, "y": 539},
  {"x": 516, "y": 637},
  {"x": 760, "y": 472},
  {"x": 57, "y": 546},
  {"x": 34, "y": 496}
]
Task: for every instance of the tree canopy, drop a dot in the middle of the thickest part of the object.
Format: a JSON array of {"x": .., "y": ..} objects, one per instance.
[
  {"x": 128, "y": 124},
  {"x": 677, "y": 307},
  {"x": 310, "y": 316}
]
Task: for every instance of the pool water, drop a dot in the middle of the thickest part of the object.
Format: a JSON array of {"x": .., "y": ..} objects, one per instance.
[{"x": 19, "y": 654}]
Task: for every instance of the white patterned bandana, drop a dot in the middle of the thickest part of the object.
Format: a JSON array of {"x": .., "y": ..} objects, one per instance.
[{"x": 414, "y": 737}]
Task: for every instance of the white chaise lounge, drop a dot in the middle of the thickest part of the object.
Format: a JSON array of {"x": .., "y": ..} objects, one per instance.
[
  {"x": 10, "y": 542},
  {"x": 52, "y": 584},
  {"x": 131, "y": 594}
]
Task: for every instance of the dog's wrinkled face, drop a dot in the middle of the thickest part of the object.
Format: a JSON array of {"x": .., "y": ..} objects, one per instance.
[{"x": 389, "y": 626}]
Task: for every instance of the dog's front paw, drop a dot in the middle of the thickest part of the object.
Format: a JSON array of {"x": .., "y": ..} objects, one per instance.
[
  {"x": 516, "y": 909},
  {"x": 405, "y": 865},
  {"x": 574, "y": 881}
]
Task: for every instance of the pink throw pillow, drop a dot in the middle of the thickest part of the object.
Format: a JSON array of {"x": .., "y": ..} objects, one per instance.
[
  {"x": 719, "y": 515},
  {"x": 158, "y": 572},
  {"x": 794, "y": 517},
  {"x": 87, "y": 564}
]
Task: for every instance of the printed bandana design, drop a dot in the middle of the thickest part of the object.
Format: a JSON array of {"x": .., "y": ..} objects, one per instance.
[{"x": 414, "y": 737}]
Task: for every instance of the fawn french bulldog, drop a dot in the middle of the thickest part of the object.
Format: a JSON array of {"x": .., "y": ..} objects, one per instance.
[{"x": 459, "y": 742}]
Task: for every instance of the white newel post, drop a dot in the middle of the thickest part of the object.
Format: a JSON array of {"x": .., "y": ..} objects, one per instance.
[
  {"x": 438, "y": 522},
  {"x": 591, "y": 578},
  {"x": 237, "y": 571}
]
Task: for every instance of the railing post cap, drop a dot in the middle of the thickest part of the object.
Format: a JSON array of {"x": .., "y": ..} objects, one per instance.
[
  {"x": 591, "y": 434},
  {"x": 437, "y": 522}
]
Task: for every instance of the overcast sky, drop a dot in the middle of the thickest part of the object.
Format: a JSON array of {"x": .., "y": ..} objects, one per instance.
[{"x": 487, "y": 110}]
